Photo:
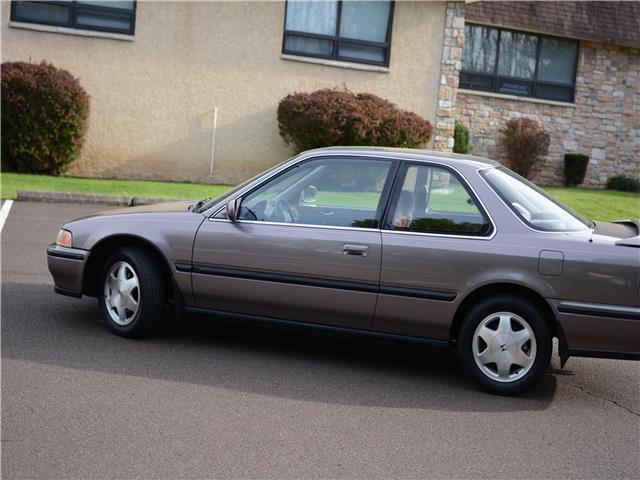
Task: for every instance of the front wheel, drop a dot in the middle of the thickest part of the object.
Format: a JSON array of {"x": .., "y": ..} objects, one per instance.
[
  {"x": 505, "y": 344},
  {"x": 133, "y": 293}
]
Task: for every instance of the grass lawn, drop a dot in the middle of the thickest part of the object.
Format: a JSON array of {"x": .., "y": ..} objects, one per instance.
[
  {"x": 603, "y": 205},
  {"x": 12, "y": 182}
]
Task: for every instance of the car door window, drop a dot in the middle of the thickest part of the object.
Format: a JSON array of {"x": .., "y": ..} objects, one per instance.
[
  {"x": 331, "y": 192},
  {"x": 433, "y": 200}
]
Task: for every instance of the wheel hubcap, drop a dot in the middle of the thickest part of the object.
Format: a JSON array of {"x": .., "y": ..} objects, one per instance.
[
  {"x": 122, "y": 293},
  {"x": 504, "y": 347}
]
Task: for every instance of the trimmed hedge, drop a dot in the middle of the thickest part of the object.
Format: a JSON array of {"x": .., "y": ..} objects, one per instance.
[
  {"x": 334, "y": 117},
  {"x": 623, "y": 183},
  {"x": 526, "y": 141},
  {"x": 460, "y": 138},
  {"x": 575, "y": 168},
  {"x": 44, "y": 117}
]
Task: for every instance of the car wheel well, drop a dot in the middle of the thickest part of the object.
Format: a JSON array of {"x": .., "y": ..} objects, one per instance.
[
  {"x": 103, "y": 249},
  {"x": 501, "y": 289}
]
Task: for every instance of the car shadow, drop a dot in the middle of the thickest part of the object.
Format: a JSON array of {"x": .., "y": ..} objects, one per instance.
[{"x": 42, "y": 327}]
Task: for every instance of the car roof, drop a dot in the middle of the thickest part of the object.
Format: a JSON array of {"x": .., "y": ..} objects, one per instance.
[{"x": 452, "y": 159}]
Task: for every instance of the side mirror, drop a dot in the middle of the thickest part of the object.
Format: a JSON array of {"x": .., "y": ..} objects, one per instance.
[
  {"x": 310, "y": 194},
  {"x": 233, "y": 209}
]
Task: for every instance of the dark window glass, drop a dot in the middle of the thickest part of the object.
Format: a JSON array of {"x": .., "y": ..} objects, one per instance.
[
  {"x": 108, "y": 16},
  {"x": 518, "y": 63},
  {"x": 344, "y": 30},
  {"x": 477, "y": 81},
  {"x": 555, "y": 92},
  {"x": 557, "y": 60},
  {"x": 342, "y": 193},
  {"x": 480, "y": 48},
  {"x": 517, "y": 55},
  {"x": 433, "y": 200},
  {"x": 513, "y": 86}
]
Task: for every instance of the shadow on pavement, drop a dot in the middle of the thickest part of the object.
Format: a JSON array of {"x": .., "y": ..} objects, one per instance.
[{"x": 40, "y": 326}]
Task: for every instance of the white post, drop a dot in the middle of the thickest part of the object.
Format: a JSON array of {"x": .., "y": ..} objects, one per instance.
[{"x": 213, "y": 141}]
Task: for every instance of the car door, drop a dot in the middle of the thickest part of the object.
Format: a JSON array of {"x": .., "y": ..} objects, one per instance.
[
  {"x": 306, "y": 245},
  {"x": 433, "y": 237}
]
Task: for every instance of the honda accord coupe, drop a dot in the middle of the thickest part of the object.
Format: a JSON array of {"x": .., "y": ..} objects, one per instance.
[{"x": 450, "y": 251}]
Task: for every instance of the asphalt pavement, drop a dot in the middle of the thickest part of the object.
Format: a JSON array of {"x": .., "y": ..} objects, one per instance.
[{"x": 210, "y": 398}]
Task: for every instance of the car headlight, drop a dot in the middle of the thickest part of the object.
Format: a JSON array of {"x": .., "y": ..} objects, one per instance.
[{"x": 64, "y": 238}]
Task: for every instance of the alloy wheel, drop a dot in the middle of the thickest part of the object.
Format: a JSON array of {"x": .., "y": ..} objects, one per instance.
[
  {"x": 504, "y": 347},
  {"x": 122, "y": 293}
]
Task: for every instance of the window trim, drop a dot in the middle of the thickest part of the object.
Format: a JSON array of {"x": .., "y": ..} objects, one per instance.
[
  {"x": 337, "y": 40},
  {"x": 495, "y": 77},
  {"x": 383, "y": 202},
  {"x": 387, "y": 226},
  {"x": 76, "y": 8}
]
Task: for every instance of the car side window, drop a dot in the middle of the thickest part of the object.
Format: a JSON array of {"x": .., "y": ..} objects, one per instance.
[
  {"x": 331, "y": 192},
  {"x": 433, "y": 200}
]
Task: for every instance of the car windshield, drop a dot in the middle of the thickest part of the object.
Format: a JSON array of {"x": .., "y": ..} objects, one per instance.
[
  {"x": 211, "y": 202},
  {"x": 535, "y": 207}
]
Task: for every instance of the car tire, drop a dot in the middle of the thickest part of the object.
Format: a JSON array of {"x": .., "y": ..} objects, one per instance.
[
  {"x": 131, "y": 293},
  {"x": 505, "y": 344}
]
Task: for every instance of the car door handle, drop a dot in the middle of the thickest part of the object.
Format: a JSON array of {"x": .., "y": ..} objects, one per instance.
[{"x": 350, "y": 249}]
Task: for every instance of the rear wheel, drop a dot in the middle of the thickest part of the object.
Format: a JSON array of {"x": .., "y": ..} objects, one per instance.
[
  {"x": 505, "y": 344},
  {"x": 132, "y": 293}
]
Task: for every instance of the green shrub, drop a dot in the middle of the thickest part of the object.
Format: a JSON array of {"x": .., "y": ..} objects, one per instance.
[
  {"x": 333, "y": 117},
  {"x": 460, "y": 138},
  {"x": 623, "y": 183},
  {"x": 525, "y": 142},
  {"x": 44, "y": 117},
  {"x": 575, "y": 168}
]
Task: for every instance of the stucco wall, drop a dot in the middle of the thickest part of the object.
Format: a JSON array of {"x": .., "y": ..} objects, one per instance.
[
  {"x": 153, "y": 98},
  {"x": 604, "y": 121}
]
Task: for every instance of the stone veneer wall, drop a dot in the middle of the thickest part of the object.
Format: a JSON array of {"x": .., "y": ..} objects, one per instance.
[
  {"x": 604, "y": 122},
  {"x": 450, "y": 65}
]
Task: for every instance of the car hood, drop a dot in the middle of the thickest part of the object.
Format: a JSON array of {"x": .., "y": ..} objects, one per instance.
[{"x": 166, "y": 207}]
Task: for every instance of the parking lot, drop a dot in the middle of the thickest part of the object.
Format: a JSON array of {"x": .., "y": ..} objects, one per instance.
[{"x": 208, "y": 398}]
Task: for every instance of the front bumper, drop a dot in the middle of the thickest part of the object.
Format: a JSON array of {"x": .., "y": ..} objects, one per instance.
[{"x": 66, "y": 265}]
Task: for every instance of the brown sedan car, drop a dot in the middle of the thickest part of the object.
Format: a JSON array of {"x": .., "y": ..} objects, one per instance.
[{"x": 448, "y": 250}]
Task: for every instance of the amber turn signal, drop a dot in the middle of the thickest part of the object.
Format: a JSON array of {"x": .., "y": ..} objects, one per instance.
[{"x": 64, "y": 238}]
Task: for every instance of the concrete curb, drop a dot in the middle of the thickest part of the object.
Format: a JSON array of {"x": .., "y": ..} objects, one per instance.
[{"x": 87, "y": 198}]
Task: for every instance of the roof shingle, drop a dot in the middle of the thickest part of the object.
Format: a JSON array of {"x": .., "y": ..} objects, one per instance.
[{"x": 616, "y": 23}]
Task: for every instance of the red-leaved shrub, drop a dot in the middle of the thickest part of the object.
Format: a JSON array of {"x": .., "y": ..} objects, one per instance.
[
  {"x": 334, "y": 117},
  {"x": 44, "y": 117},
  {"x": 526, "y": 141}
]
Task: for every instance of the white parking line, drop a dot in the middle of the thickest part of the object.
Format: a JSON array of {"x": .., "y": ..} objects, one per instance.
[{"x": 4, "y": 212}]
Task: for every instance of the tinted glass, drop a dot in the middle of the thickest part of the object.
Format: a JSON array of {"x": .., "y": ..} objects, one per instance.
[
  {"x": 38, "y": 12},
  {"x": 103, "y": 20},
  {"x": 110, "y": 3},
  {"x": 557, "y": 60},
  {"x": 517, "y": 54},
  {"x": 480, "y": 47},
  {"x": 515, "y": 87},
  {"x": 343, "y": 193},
  {"x": 360, "y": 52},
  {"x": 312, "y": 17},
  {"x": 476, "y": 82},
  {"x": 312, "y": 46},
  {"x": 433, "y": 200},
  {"x": 555, "y": 92},
  {"x": 533, "y": 205},
  {"x": 365, "y": 20}
]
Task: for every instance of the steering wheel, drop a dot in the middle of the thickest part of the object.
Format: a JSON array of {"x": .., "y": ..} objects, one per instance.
[{"x": 287, "y": 212}]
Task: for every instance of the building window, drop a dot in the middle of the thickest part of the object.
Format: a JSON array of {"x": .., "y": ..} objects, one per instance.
[
  {"x": 354, "y": 31},
  {"x": 518, "y": 63},
  {"x": 104, "y": 16}
]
